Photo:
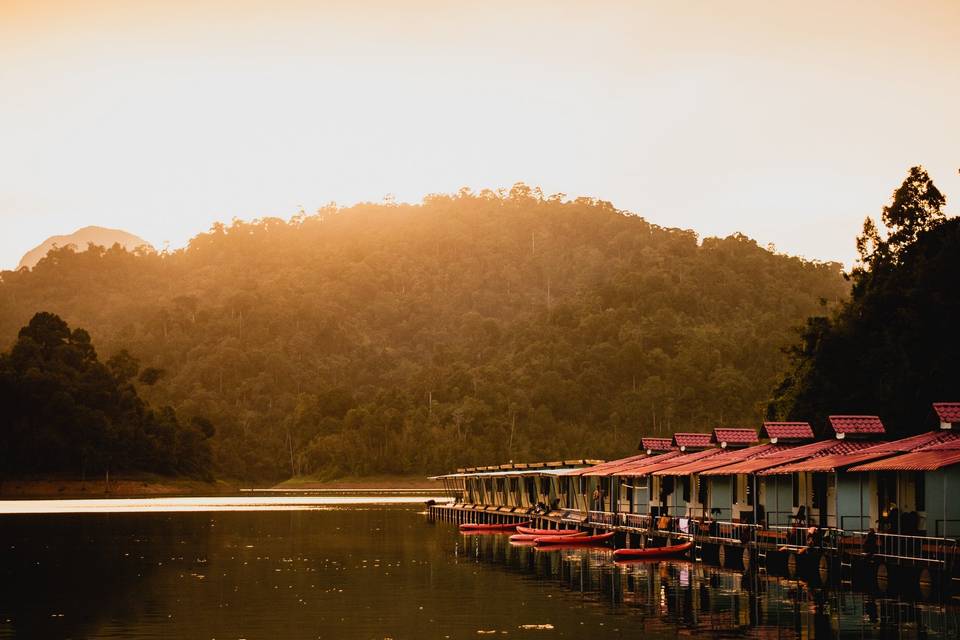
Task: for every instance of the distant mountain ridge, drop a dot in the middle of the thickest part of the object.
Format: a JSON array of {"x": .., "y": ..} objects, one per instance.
[{"x": 80, "y": 239}]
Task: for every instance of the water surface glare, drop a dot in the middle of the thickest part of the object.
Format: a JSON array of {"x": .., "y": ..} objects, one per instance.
[
  {"x": 371, "y": 570},
  {"x": 242, "y": 503}
]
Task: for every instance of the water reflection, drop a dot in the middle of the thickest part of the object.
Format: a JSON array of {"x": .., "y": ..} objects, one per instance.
[
  {"x": 683, "y": 598},
  {"x": 378, "y": 571}
]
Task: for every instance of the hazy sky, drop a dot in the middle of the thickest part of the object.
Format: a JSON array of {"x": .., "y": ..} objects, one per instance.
[{"x": 788, "y": 124}]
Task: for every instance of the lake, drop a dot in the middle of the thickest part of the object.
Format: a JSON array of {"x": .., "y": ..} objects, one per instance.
[{"x": 327, "y": 566}]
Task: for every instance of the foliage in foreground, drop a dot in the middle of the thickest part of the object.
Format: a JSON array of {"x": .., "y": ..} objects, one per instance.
[
  {"x": 64, "y": 411},
  {"x": 892, "y": 349}
]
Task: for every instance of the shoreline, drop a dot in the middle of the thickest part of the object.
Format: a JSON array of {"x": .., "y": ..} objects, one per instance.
[{"x": 159, "y": 486}]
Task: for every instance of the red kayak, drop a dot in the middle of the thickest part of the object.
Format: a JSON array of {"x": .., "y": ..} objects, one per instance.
[
  {"x": 476, "y": 526},
  {"x": 548, "y": 532},
  {"x": 531, "y": 537},
  {"x": 654, "y": 552},
  {"x": 544, "y": 541}
]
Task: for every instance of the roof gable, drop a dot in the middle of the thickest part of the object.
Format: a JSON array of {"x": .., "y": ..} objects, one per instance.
[
  {"x": 948, "y": 412},
  {"x": 657, "y": 444},
  {"x": 692, "y": 440},
  {"x": 734, "y": 437},
  {"x": 786, "y": 431},
  {"x": 844, "y": 426}
]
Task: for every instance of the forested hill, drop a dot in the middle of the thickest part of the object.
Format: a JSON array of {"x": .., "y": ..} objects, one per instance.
[{"x": 473, "y": 328}]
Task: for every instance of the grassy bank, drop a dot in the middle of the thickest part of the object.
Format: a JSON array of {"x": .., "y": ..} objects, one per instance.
[
  {"x": 360, "y": 482},
  {"x": 120, "y": 487}
]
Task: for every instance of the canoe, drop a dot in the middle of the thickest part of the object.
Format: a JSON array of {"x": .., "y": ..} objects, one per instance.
[
  {"x": 548, "y": 532},
  {"x": 531, "y": 537},
  {"x": 654, "y": 552},
  {"x": 544, "y": 541},
  {"x": 476, "y": 526}
]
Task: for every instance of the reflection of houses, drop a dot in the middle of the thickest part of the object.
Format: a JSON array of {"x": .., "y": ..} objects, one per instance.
[{"x": 730, "y": 490}]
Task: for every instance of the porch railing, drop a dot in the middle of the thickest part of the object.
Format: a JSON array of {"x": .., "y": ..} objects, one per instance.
[
  {"x": 901, "y": 547},
  {"x": 602, "y": 517},
  {"x": 637, "y": 520}
]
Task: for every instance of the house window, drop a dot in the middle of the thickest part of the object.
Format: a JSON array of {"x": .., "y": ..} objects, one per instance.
[
  {"x": 685, "y": 481},
  {"x": 701, "y": 491},
  {"x": 920, "y": 482}
]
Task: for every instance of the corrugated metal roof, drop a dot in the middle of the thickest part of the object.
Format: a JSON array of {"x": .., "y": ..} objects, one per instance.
[
  {"x": 924, "y": 460},
  {"x": 664, "y": 461},
  {"x": 947, "y": 411},
  {"x": 692, "y": 440},
  {"x": 710, "y": 462},
  {"x": 607, "y": 468},
  {"x": 787, "y": 455},
  {"x": 844, "y": 425},
  {"x": 724, "y": 435},
  {"x": 840, "y": 460},
  {"x": 952, "y": 444},
  {"x": 787, "y": 431},
  {"x": 504, "y": 474},
  {"x": 942, "y": 449}
]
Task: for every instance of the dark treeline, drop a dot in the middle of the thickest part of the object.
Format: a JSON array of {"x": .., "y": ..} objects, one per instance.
[
  {"x": 467, "y": 329},
  {"x": 64, "y": 411},
  {"x": 893, "y": 348}
]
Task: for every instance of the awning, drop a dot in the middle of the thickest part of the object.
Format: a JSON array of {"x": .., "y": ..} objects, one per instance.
[
  {"x": 711, "y": 462},
  {"x": 865, "y": 453},
  {"x": 507, "y": 473},
  {"x": 607, "y": 468},
  {"x": 774, "y": 458},
  {"x": 925, "y": 460},
  {"x": 665, "y": 461}
]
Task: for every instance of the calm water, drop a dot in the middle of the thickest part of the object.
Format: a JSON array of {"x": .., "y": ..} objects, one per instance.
[{"x": 332, "y": 568}]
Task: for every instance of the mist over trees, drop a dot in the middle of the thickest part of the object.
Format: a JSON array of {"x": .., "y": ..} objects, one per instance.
[
  {"x": 469, "y": 329},
  {"x": 64, "y": 411},
  {"x": 892, "y": 349}
]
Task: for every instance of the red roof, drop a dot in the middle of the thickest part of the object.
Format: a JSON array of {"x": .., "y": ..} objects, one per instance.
[
  {"x": 787, "y": 431},
  {"x": 924, "y": 460},
  {"x": 941, "y": 450},
  {"x": 952, "y": 444},
  {"x": 843, "y": 425},
  {"x": 947, "y": 411},
  {"x": 692, "y": 440},
  {"x": 664, "y": 461},
  {"x": 781, "y": 455},
  {"x": 710, "y": 462},
  {"x": 606, "y": 468},
  {"x": 838, "y": 460},
  {"x": 727, "y": 436},
  {"x": 657, "y": 444}
]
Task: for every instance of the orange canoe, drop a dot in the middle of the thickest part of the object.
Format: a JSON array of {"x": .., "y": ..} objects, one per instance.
[
  {"x": 532, "y": 537},
  {"x": 654, "y": 552},
  {"x": 548, "y": 532},
  {"x": 476, "y": 526},
  {"x": 544, "y": 541}
]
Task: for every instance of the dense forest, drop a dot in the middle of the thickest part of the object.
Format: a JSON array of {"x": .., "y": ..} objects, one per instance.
[
  {"x": 64, "y": 411},
  {"x": 470, "y": 328},
  {"x": 892, "y": 349}
]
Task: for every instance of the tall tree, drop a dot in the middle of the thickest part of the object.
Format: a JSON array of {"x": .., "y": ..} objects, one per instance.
[{"x": 891, "y": 349}]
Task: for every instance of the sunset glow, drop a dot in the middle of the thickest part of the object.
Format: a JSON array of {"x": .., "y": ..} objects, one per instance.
[{"x": 161, "y": 117}]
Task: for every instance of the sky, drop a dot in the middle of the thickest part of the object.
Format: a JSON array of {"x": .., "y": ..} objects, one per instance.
[{"x": 787, "y": 123}]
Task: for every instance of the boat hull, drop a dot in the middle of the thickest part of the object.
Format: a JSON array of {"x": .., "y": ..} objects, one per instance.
[
  {"x": 546, "y": 541},
  {"x": 548, "y": 532},
  {"x": 654, "y": 552},
  {"x": 474, "y": 526},
  {"x": 532, "y": 537}
]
